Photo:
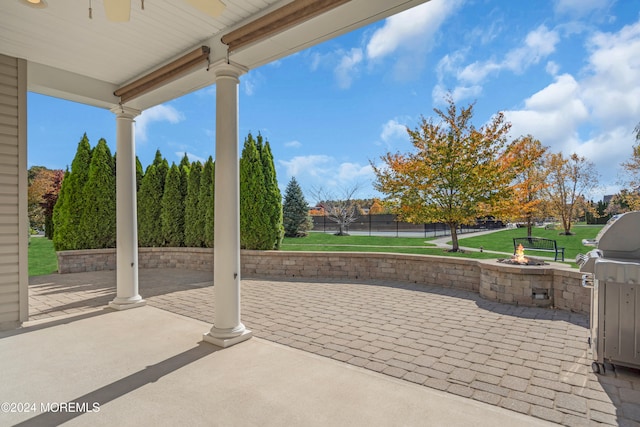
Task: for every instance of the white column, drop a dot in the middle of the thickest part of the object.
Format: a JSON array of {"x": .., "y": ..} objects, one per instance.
[
  {"x": 227, "y": 328},
  {"x": 127, "y": 295}
]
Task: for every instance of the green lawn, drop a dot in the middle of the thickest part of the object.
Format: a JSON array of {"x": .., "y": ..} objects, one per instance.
[
  {"x": 42, "y": 257},
  {"x": 318, "y": 238},
  {"x": 321, "y": 242},
  {"x": 503, "y": 240},
  {"x": 500, "y": 241}
]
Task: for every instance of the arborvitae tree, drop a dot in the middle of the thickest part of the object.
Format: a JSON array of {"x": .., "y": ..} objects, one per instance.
[
  {"x": 157, "y": 159},
  {"x": 297, "y": 221},
  {"x": 206, "y": 214},
  {"x": 185, "y": 167},
  {"x": 150, "y": 209},
  {"x": 193, "y": 231},
  {"x": 139, "y": 173},
  {"x": 60, "y": 223},
  {"x": 67, "y": 218},
  {"x": 98, "y": 222},
  {"x": 185, "y": 162},
  {"x": 162, "y": 166},
  {"x": 173, "y": 208},
  {"x": 255, "y": 232},
  {"x": 273, "y": 197}
]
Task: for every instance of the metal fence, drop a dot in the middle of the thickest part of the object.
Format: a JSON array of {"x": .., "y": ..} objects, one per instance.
[{"x": 386, "y": 225}]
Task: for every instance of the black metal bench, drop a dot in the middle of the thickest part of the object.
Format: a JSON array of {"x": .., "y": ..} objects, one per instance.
[{"x": 538, "y": 244}]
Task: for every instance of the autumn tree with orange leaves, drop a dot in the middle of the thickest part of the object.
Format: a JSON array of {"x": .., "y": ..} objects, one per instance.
[
  {"x": 458, "y": 173},
  {"x": 42, "y": 194},
  {"x": 527, "y": 154}
]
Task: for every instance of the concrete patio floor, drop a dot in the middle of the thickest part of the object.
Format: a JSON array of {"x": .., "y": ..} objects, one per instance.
[
  {"x": 533, "y": 362},
  {"x": 155, "y": 370}
]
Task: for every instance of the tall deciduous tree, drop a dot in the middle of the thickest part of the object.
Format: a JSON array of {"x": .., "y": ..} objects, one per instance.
[
  {"x": 42, "y": 194},
  {"x": 172, "y": 215},
  {"x": 193, "y": 233},
  {"x": 98, "y": 222},
  {"x": 50, "y": 199},
  {"x": 455, "y": 175},
  {"x": 296, "y": 219},
  {"x": 342, "y": 209},
  {"x": 527, "y": 154},
  {"x": 570, "y": 180},
  {"x": 68, "y": 212},
  {"x": 376, "y": 208},
  {"x": 629, "y": 198},
  {"x": 150, "y": 209}
]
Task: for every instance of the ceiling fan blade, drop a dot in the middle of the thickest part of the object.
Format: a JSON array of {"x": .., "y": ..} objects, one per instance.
[
  {"x": 212, "y": 8},
  {"x": 117, "y": 10}
]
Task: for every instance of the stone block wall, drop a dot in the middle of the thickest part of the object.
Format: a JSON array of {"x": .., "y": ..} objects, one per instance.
[{"x": 556, "y": 285}]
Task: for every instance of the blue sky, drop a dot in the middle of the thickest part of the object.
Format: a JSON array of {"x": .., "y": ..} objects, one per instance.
[{"x": 565, "y": 71}]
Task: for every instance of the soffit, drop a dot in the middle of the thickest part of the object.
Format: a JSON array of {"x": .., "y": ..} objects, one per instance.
[{"x": 85, "y": 60}]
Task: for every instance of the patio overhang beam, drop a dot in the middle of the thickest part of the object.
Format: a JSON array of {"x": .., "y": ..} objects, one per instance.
[
  {"x": 163, "y": 74},
  {"x": 287, "y": 16}
]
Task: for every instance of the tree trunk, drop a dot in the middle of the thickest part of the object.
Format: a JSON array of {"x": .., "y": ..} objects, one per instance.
[
  {"x": 454, "y": 237},
  {"x": 566, "y": 224}
]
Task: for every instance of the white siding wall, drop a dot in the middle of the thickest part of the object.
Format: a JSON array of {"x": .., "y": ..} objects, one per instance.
[{"x": 13, "y": 197}]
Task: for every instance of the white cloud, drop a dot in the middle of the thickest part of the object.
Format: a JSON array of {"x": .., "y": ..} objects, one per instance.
[
  {"x": 324, "y": 172},
  {"x": 538, "y": 44},
  {"x": 316, "y": 60},
  {"x": 465, "y": 82},
  {"x": 313, "y": 165},
  {"x": 409, "y": 35},
  {"x": 580, "y": 7},
  {"x": 392, "y": 132},
  {"x": 552, "y": 68},
  {"x": 614, "y": 64},
  {"x": 251, "y": 81},
  {"x": 348, "y": 67},
  {"x": 293, "y": 144},
  {"x": 393, "y": 129},
  {"x": 354, "y": 172},
  {"x": 552, "y": 115},
  {"x": 159, "y": 113},
  {"x": 593, "y": 116},
  {"x": 410, "y": 29}
]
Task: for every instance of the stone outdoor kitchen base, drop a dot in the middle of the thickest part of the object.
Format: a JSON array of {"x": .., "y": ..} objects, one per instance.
[{"x": 554, "y": 286}]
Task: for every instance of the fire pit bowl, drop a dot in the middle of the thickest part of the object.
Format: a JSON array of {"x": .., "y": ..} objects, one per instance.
[
  {"x": 525, "y": 261},
  {"x": 519, "y": 259}
]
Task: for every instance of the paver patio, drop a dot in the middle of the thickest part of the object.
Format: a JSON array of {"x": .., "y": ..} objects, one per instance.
[{"x": 530, "y": 360}]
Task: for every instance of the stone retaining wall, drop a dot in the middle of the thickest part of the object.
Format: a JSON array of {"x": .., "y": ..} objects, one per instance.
[{"x": 555, "y": 285}]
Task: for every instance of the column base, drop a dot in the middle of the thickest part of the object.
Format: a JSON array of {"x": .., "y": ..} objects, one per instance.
[
  {"x": 225, "y": 342},
  {"x": 126, "y": 304}
]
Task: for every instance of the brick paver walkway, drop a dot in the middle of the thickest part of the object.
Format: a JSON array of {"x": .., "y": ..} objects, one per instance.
[{"x": 531, "y": 360}]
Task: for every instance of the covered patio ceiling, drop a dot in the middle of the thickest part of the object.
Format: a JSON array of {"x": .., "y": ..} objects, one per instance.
[{"x": 83, "y": 59}]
